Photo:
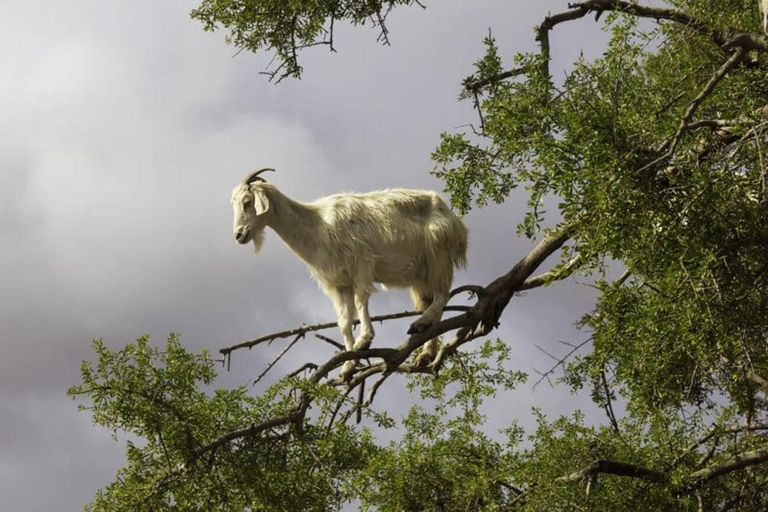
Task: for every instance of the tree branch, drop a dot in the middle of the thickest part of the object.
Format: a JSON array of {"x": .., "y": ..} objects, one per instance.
[
  {"x": 560, "y": 363},
  {"x": 659, "y": 14},
  {"x": 474, "y": 87},
  {"x": 501, "y": 290},
  {"x": 732, "y": 61},
  {"x": 238, "y": 434},
  {"x": 300, "y": 331},
  {"x": 716, "y": 431},
  {"x": 615, "y": 468},
  {"x": 735, "y": 463},
  {"x": 609, "y": 404},
  {"x": 557, "y": 274}
]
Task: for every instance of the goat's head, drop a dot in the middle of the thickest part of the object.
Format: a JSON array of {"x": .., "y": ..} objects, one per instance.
[{"x": 250, "y": 203}]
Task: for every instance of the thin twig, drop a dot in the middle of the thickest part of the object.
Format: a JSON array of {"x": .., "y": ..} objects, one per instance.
[
  {"x": 560, "y": 362},
  {"x": 608, "y": 404},
  {"x": 305, "y": 366},
  {"x": 279, "y": 356},
  {"x": 329, "y": 341}
]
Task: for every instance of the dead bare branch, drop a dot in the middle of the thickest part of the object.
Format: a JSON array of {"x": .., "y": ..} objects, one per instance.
[
  {"x": 304, "y": 367},
  {"x": 375, "y": 388},
  {"x": 330, "y": 341}
]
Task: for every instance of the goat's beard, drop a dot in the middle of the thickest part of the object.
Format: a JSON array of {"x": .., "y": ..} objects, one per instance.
[{"x": 257, "y": 237}]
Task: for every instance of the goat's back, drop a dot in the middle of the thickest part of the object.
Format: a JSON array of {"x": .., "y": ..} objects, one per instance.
[{"x": 403, "y": 231}]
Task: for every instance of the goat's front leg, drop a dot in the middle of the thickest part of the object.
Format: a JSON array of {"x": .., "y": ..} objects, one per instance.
[
  {"x": 363, "y": 340},
  {"x": 344, "y": 301}
]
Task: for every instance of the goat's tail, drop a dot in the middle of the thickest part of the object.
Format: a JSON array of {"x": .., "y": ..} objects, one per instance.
[
  {"x": 460, "y": 256},
  {"x": 449, "y": 234}
]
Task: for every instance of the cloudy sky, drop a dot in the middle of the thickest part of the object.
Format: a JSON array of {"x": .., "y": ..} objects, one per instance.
[{"x": 124, "y": 128}]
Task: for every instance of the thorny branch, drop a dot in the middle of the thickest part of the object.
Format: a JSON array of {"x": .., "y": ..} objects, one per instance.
[{"x": 280, "y": 356}]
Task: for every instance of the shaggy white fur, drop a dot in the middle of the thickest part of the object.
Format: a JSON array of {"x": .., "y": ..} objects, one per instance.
[{"x": 398, "y": 238}]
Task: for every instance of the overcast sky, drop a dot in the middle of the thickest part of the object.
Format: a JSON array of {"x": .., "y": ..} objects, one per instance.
[{"x": 124, "y": 128}]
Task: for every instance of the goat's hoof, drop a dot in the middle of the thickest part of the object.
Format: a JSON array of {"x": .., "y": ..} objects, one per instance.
[
  {"x": 363, "y": 344},
  {"x": 347, "y": 370},
  {"x": 418, "y": 327}
]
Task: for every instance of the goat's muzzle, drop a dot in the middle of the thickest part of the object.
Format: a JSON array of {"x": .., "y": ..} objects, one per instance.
[{"x": 242, "y": 236}]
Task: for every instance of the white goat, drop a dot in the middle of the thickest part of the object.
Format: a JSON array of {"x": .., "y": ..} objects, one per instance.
[{"x": 401, "y": 238}]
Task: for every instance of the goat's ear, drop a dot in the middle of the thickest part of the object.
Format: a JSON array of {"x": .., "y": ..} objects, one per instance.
[{"x": 260, "y": 201}]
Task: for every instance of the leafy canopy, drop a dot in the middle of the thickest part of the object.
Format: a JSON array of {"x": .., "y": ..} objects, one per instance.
[{"x": 288, "y": 27}]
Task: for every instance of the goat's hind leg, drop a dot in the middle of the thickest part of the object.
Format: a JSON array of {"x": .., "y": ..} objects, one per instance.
[
  {"x": 431, "y": 295},
  {"x": 431, "y": 308},
  {"x": 363, "y": 340},
  {"x": 428, "y": 306}
]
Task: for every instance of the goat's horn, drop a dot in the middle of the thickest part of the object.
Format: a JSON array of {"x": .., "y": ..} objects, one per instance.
[{"x": 254, "y": 176}]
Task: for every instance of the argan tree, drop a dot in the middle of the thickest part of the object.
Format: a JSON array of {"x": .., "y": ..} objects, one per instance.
[{"x": 650, "y": 159}]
